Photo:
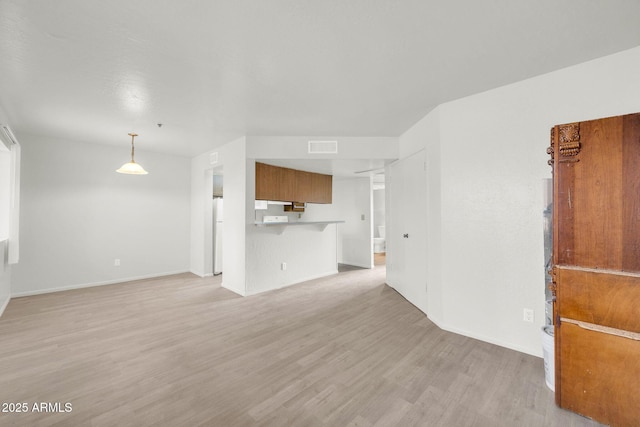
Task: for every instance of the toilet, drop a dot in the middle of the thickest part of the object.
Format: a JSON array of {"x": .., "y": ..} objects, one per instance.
[{"x": 378, "y": 242}]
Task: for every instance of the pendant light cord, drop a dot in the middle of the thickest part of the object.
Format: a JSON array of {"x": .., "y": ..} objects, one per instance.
[{"x": 133, "y": 135}]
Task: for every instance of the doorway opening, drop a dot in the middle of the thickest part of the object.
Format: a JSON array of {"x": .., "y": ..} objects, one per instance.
[
  {"x": 218, "y": 223},
  {"x": 379, "y": 228},
  {"x": 214, "y": 244}
]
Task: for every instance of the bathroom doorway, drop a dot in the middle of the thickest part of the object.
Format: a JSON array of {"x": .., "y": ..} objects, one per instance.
[
  {"x": 379, "y": 233},
  {"x": 217, "y": 223}
]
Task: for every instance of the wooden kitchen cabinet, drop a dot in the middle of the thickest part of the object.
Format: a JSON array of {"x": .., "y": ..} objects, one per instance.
[
  {"x": 596, "y": 272},
  {"x": 292, "y": 185},
  {"x": 313, "y": 187},
  {"x": 275, "y": 183}
]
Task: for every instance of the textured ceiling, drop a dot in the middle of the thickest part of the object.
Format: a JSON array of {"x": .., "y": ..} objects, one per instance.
[{"x": 209, "y": 70}]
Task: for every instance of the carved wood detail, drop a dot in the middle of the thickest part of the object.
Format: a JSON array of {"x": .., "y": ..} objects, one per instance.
[
  {"x": 550, "y": 148},
  {"x": 569, "y": 139},
  {"x": 569, "y": 132},
  {"x": 553, "y": 287}
]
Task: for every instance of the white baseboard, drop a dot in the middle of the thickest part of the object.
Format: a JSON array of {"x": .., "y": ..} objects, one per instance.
[
  {"x": 201, "y": 274},
  {"x": 490, "y": 340},
  {"x": 356, "y": 264},
  {"x": 3, "y": 305},
  {"x": 197, "y": 273},
  {"x": 92, "y": 284},
  {"x": 297, "y": 282},
  {"x": 445, "y": 327},
  {"x": 234, "y": 290}
]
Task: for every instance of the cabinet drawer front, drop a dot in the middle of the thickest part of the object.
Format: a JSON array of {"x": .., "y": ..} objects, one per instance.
[
  {"x": 604, "y": 298},
  {"x": 599, "y": 375}
]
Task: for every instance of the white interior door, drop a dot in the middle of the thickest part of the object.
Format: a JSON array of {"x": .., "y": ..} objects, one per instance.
[{"x": 406, "y": 234}]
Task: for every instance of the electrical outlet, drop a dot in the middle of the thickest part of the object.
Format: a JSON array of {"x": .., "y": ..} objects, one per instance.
[
  {"x": 283, "y": 266},
  {"x": 527, "y": 315},
  {"x": 116, "y": 262}
]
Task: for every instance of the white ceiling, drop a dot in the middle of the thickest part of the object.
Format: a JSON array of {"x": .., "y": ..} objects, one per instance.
[{"x": 213, "y": 70}]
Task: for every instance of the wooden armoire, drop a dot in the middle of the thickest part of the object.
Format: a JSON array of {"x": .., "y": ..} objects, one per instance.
[{"x": 596, "y": 267}]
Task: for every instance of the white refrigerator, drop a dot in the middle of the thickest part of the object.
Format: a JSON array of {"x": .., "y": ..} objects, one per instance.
[{"x": 217, "y": 235}]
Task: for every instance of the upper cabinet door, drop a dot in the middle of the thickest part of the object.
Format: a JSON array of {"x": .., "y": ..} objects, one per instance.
[
  {"x": 275, "y": 183},
  {"x": 322, "y": 187},
  {"x": 290, "y": 185},
  {"x": 312, "y": 187}
]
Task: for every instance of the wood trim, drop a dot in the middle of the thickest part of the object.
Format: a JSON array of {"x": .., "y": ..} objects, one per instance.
[
  {"x": 550, "y": 149},
  {"x": 563, "y": 199},
  {"x": 558, "y": 239},
  {"x": 603, "y": 329}
]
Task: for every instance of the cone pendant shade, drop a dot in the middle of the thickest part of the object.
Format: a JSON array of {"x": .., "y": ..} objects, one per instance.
[{"x": 132, "y": 168}]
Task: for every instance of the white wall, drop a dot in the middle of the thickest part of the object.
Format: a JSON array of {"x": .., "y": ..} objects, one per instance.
[
  {"x": 352, "y": 198},
  {"x": 5, "y": 268},
  {"x": 5, "y": 194},
  {"x": 378, "y": 210},
  {"x": 5, "y": 191},
  {"x": 232, "y": 162},
  {"x": 355, "y": 198},
  {"x": 5, "y": 278},
  {"x": 78, "y": 215},
  {"x": 486, "y": 162},
  {"x": 308, "y": 250}
]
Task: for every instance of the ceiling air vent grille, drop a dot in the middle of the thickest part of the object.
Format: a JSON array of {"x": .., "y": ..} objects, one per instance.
[{"x": 323, "y": 147}]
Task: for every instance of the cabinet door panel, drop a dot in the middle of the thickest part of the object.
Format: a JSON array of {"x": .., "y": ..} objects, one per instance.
[
  {"x": 302, "y": 187},
  {"x": 274, "y": 183},
  {"x": 600, "y": 375},
  {"x": 315, "y": 187},
  {"x": 600, "y": 297}
]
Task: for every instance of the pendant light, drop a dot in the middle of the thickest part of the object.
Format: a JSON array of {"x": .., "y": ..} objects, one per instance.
[{"x": 132, "y": 168}]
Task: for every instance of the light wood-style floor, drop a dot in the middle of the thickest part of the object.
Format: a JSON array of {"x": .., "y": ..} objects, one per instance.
[
  {"x": 380, "y": 258},
  {"x": 345, "y": 350}
]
